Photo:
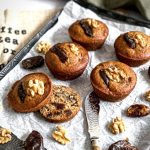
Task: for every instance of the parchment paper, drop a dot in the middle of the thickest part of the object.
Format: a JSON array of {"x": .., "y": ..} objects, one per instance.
[{"x": 22, "y": 124}]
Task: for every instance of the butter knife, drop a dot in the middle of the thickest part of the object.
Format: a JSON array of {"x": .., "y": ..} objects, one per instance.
[{"x": 92, "y": 115}]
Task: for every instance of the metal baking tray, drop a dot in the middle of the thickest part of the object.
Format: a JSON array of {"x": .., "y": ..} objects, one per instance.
[{"x": 107, "y": 14}]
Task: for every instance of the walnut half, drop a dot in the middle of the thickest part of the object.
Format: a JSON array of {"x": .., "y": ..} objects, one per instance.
[
  {"x": 35, "y": 87},
  {"x": 43, "y": 47},
  {"x": 117, "y": 126},
  {"x": 61, "y": 135},
  {"x": 5, "y": 135},
  {"x": 147, "y": 95}
]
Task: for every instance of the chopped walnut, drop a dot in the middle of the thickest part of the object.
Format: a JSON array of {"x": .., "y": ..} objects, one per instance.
[
  {"x": 115, "y": 74},
  {"x": 43, "y": 47},
  {"x": 92, "y": 22},
  {"x": 147, "y": 95},
  {"x": 74, "y": 49},
  {"x": 35, "y": 87},
  {"x": 140, "y": 40},
  {"x": 61, "y": 135},
  {"x": 117, "y": 126},
  {"x": 5, "y": 135}
]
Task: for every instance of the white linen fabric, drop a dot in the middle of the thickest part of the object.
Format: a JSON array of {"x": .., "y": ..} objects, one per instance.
[{"x": 18, "y": 27}]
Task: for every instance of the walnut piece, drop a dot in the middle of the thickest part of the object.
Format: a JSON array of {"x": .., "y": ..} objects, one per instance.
[
  {"x": 74, "y": 49},
  {"x": 117, "y": 126},
  {"x": 35, "y": 87},
  {"x": 140, "y": 40},
  {"x": 115, "y": 74},
  {"x": 43, "y": 47},
  {"x": 61, "y": 135},
  {"x": 5, "y": 135},
  {"x": 92, "y": 22},
  {"x": 147, "y": 95}
]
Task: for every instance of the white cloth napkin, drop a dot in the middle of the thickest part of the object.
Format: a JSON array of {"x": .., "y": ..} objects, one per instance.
[{"x": 17, "y": 28}]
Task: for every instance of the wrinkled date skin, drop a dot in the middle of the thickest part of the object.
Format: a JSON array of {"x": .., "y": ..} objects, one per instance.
[
  {"x": 60, "y": 53},
  {"x": 104, "y": 77},
  {"x": 122, "y": 145},
  {"x": 33, "y": 62},
  {"x": 34, "y": 141},
  {"x": 21, "y": 93},
  {"x": 87, "y": 29},
  {"x": 138, "y": 110},
  {"x": 130, "y": 41}
]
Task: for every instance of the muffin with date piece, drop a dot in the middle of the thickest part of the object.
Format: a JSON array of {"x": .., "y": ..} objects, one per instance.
[
  {"x": 113, "y": 80},
  {"x": 88, "y": 32},
  {"x": 133, "y": 48},
  {"x": 64, "y": 104},
  {"x": 30, "y": 93},
  {"x": 67, "y": 60}
]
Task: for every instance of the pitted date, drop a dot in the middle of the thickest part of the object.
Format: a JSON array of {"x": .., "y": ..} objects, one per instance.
[
  {"x": 122, "y": 145},
  {"x": 130, "y": 41},
  {"x": 138, "y": 110},
  {"x": 34, "y": 141},
  {"x": 21, "y": 93},
  {"x": 33, "y": 62},
  {"x": 104, "y": 77},
  {"x": 60, "y": 53},
  {"x": 87, "y": 29}
]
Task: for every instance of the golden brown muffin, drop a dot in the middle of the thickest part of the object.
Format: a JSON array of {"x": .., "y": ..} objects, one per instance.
[
  {"x": 88, "y": 32},
  {"x": 133, "y": 48},
  {"x": 113, "y": 80},
  {"x": 67, "y": 60},
  {"x": 64, "y": 104},
  {"x": 30, "y": 93}
]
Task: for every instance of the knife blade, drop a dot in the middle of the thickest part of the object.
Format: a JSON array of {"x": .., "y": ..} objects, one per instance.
[{"x": 92, "y": 109}]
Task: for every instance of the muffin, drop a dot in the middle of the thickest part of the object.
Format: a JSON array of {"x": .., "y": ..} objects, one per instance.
[
  {"x": 30, "y": 93},
  {"x": 133, "y": 48},
  {"x": 88, "y": 32},
  {"x": 64, "y": 104},
  {"x": 113, "y": 80},
  {"x": 67, "y": 61}
]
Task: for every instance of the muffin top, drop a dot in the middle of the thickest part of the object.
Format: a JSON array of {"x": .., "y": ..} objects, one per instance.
[
  {"x": 29, "y": 92},
  {"x": 67, "y": 56},
  {"x": 113, "y": 77},
  {"x": 133, "y": 44},
  {"x": 88, "y": 29}
]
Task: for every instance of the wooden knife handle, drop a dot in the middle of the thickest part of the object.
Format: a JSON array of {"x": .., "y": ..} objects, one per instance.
[{"x": 95, "y": 144}]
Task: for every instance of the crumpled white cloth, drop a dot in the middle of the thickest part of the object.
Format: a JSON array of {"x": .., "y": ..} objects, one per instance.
[{"x": 136, "y": 128}]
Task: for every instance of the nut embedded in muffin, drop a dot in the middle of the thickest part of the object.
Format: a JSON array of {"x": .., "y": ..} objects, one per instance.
[
  {"x": 133, "y": 48},
  {"x": 113, "y": 80},
  {"x": 30, "y": 93},
  {"x": 89, "y": 32},
  {"x": 67, "y": 60}
]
